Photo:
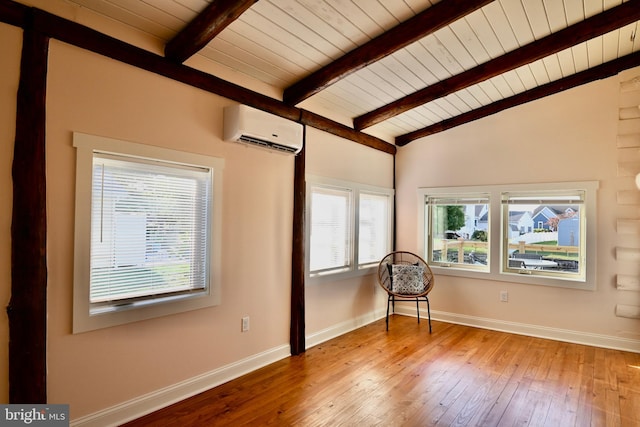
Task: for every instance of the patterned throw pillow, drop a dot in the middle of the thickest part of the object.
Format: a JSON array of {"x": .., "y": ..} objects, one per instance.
[{"x": 407, "y": 279}]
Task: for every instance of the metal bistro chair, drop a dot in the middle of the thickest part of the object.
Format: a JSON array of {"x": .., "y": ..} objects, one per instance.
[{"x": 406, "y": 277}]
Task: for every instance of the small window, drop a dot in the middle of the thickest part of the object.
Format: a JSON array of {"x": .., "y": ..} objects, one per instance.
[
  {"x": 147, "y": 235},
  {"x": 374, "y": 228},
  {"x": 458, "y": 231},
  {"x": 330, "y": 229},
  {"x": 349, "y": 227},
  {"x": 557, "y": 247}
]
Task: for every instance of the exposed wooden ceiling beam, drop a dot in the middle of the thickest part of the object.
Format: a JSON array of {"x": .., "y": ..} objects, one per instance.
[
  {"x": 13, "y": 13},
  {"x": 199, "y": 32},
  {"x": 585, "y": 30},
  {"x": 599, "y": 72},
  {"x": 86, "y": 38},
  {"x": 319, "y": 122},
  {"x": 402, "y": 35}
]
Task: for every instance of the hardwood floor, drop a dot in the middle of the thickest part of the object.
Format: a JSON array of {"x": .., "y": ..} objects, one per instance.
[{"x": 457, "y": 375}]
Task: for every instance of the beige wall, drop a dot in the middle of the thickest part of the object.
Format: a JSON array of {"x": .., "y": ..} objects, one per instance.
[
  {"x": 10, "y": 71},
  {"x": 570, "y": 136},
  {"x": 349, "y": 301},
  {"x": 91, "y": 371}
]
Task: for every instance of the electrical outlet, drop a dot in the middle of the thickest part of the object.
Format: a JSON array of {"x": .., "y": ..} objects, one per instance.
[
  {"x": 504, "y": 296},
  {"x": 245, "y": 324}
]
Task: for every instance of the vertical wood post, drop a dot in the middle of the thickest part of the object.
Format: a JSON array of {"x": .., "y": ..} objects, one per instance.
[
  {"x": 27, "y": 309},
  {"x": 297, "y": 331}
]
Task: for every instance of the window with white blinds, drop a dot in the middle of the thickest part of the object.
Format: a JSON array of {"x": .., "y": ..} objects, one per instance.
[
  {"x": 149, "y": 228},
  {"x": 148, "y": 232},
  {"x": 349, "y": 227},
  {"x": 330, "y": 229},
  {"x": 374, "y": 231}
]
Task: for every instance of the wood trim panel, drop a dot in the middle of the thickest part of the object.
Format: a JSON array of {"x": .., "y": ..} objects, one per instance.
[{"x": 27, "y": 309}]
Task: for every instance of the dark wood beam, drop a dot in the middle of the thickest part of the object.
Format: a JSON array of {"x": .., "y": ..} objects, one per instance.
[
  {"x": 603, "y": 71},
  {"x": 208, "y": 24},
  {"x": 94, "y": 41},
  {"x": 27, "y": 309},
  {"x": 13, "y": 13},
  {"x": 297, "y": 323},
  {"x": 319, "y": 122},
  {"x": 585, "y": 30},
  {"x": 402, "y": 35}
]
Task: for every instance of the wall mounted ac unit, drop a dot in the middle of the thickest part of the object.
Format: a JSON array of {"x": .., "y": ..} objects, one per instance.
[{"x": 255, "y": 127}]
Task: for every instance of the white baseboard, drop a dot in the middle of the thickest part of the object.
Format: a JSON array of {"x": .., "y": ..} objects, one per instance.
[
  {"x": 140, "y": 406},
  {"x": 576, "y": 337},
  {"x": 143, "y": 405},
  {"x": 342, "y": 328}
]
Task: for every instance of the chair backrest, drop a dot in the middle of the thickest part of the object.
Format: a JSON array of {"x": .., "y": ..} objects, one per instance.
[{"x": 385, "y": 271}]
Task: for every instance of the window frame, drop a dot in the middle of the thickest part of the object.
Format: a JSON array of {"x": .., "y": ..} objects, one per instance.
[
  {"x": 353, "y": 269},
  {"x": 498, "y": 236},
  {"x": 474, "y": 198},
  {"x": 162, "y": 305}
]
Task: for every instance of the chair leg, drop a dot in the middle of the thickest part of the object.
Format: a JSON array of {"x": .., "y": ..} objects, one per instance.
[
  {"x": 429, "y": 312},
  {"x": 388, "y": 301},
  {"x": 418, "y": 308}
]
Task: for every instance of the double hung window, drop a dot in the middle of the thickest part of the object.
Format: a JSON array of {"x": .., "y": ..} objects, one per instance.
[
  {"x": 349, "y": 227},
  {"x": 146, "y": 232}
]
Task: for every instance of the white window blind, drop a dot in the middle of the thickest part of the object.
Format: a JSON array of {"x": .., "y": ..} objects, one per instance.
[
  {"x": 330, "y": 229},
  {"x": 373, "y": 231},
  {"x": 149, "y": 228}
]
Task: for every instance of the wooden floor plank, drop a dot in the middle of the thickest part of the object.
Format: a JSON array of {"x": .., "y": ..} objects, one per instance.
[{"x": 455, "y": 376}]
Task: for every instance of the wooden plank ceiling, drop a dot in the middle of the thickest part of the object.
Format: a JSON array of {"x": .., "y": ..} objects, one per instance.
[{"x": 398, "y": 69}]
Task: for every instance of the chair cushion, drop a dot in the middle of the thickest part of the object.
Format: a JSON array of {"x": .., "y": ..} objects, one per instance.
[{"x": 407, "y": 279}]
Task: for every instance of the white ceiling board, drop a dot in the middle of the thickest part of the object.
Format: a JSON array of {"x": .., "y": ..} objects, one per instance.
[
  {"x": 552, "y": 66},
  {"x": 381, "y": 19},
  {"x": 279, "y": 42},
  {"x": 485, "y": 33},
  {"x": 441, "y": 54},
  {"x": 555, "y": 13},
  {"x": 501, "y": 27},
  {"x": 470, "y": 40},
  {"x": 195, "y": 5},
  {"x": 537, "y": 17},
  {"x": 129, "y": 18},
  {"x": 455, "y": 48},
  {"x": 518, "y": 21}
]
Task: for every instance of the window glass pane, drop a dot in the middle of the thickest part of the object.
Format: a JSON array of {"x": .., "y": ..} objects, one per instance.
[
  {"x": 545, "y": 233},
  {"x": 330, "y": 229},
  {"x": 149, "y": 229},
  {"x": 458, "y": 231},
  {"x": 373, "y": 237}
]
